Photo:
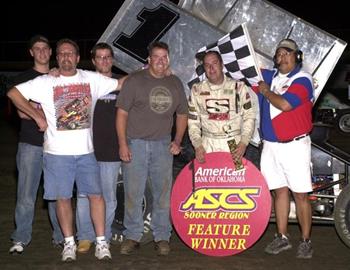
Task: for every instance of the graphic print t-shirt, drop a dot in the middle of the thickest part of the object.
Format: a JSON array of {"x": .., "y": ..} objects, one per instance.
[
  {"x": 68, "y": 103},
  {"x": 72, "y": 106},
  {"x": 151, "y": 104}
]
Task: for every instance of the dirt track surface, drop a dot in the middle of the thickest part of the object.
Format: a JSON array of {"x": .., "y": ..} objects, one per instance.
[{"x": 329, "y": 252}]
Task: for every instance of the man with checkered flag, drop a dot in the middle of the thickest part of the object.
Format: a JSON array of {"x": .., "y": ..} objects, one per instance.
[
  {"x": 220, "y": 111},
  {"x": 235, "y": 59},
  {"x": 238, "y": 57}
]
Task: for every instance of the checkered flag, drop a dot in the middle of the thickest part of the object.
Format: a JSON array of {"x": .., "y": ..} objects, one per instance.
[{"x": 237, "y": 54}]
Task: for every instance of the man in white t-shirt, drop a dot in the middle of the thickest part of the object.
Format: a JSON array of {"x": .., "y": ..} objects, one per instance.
[{"x": 68, "y": 102}]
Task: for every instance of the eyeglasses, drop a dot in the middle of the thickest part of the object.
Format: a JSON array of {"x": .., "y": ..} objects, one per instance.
[
  {"x": 103, "y": 57},
  {"x": 282, "y": 54},
  {"x": 68, "y": 54}
]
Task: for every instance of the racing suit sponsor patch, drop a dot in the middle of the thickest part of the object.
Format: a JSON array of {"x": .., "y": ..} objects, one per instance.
[
  {"x": 191, "y": 109},
  {"x": 219, "y": 116},
  {"x": 247, "y": 105},
  {"x": 192, "y": 117},
  {"x": 206, "y": 93}
]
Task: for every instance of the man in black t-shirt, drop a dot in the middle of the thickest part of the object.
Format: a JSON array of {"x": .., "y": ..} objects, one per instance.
[
  {"x": 106, "y": 151},
  {"x": 30, "y": 157}
]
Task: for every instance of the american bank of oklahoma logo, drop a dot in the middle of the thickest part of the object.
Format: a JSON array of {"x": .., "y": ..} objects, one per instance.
[{"x": 217, "y": 210}]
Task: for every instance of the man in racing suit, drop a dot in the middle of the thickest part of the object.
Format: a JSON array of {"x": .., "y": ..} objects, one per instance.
[{"x": 220, "y": 109}]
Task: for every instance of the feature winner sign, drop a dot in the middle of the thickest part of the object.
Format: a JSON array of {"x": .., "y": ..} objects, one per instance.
[{"x": 217, "y": 210}]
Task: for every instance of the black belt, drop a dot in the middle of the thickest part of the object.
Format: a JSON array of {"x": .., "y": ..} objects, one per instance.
[{"x": 296, "y": 138}]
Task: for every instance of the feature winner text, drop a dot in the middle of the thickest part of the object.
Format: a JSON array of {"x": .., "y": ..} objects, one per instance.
[{"x": 224, "y": 233}]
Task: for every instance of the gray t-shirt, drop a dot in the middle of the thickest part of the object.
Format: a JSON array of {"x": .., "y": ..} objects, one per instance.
[{"x": 151, "y": 103}]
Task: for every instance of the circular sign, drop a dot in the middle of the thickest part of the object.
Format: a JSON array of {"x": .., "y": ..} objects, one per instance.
[{"x": 217, "y": 210}]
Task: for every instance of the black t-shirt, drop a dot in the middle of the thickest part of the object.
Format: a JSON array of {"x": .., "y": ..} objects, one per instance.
[
  {"x": 29, "y": 130},
  {"x": 104, "y": 132}
]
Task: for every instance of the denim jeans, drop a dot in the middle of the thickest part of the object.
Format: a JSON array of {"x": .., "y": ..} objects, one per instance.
[
  {"x": 29, "y": 165},
  {"x": 109, "y": 175},
  {"x": 61, "y": 172},
  {"x": 150, "y": 160}
]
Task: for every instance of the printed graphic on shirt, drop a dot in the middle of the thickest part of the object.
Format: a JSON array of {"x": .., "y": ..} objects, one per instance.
[
  {"x": 160, "y": 99},
  {"x": 218, "y": 109},
  {"x": 109, "y": 97},
  {"x": 72, "y": 106}
]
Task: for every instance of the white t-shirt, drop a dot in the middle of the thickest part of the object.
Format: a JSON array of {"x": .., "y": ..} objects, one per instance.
[{"x": 68, "y": 104}]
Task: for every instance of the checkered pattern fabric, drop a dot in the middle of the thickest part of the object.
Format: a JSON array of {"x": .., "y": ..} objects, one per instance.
[{"x": 237, "y": 54}]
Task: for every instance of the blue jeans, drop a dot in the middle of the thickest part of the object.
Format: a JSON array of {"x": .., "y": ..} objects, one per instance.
[
  {"x": 29, "y": 165},
  {"x": 150, "y": 160},
  {"x": 61, "y": 172},
  {"x": 109, "y": 175}
]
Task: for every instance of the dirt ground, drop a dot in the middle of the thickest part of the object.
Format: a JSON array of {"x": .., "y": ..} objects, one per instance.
[{"x": 329, "y": 252}]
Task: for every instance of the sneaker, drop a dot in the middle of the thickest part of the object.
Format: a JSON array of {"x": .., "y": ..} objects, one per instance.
[
  {"x": 102, "y": 251},
  {"x": 128, "y": 246},
  {"x": 17, "y": 248},
  {"x": 279, "y": 244},
  {"x": 69, "y": 252},
  {"x": 57, "y": 244},
  {"x": 162, "y": 247},
  {"x": 305, "y": 249},
  {"x": 84, "y": 246}
]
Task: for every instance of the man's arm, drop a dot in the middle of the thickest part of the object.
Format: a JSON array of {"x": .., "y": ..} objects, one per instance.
[
  {"x": 276, "y": 100},
  {"x": 24, "y": 106},
  {"x": 195, "y": 127},
  {"x": 249, "y": 114},
  {"x": 121, "y": 121},
  {"x": 36, "y": 106},
  {"x": 194, "y": 120},
  {"x": 181, "y": 125},
  {"x": 121, "y": 82}
]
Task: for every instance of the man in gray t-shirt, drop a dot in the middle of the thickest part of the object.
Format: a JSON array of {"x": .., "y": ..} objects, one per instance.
[{"x": 146, "y": 107}]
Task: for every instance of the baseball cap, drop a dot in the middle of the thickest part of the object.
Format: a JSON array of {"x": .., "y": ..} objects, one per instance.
[
  {"x": 37, "y": 38},
  {"x": 288, "y": 44}
]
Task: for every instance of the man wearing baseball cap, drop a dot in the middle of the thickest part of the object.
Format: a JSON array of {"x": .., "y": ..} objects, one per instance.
[{"x": 285, "y": 98}]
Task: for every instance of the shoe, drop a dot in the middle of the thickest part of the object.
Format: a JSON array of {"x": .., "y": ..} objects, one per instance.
[
  {"x": 17, "y": 248},
  {"x": 57, "y": 244},
  {"x": 279, "y": 244},
  {"x": 102, "y": 251},
  {"x": 128, "y": 246},
  {"x": 69, "y": 252},
  {"x": 305, "y": 249},
  {"x": 162, "y": 247},
  {"x": 84, "y": 246}
]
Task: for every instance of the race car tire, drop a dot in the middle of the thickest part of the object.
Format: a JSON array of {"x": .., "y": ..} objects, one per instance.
[
  {"x": 343, "y": 122},
  {"x": 342, "y": 215}
]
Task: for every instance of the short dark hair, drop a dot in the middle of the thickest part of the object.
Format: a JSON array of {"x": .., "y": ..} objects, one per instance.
[
  {"x": 69, "y": 41},
  {"x": 216, "y": 53},
  {"x": 157, "y": 44},
  {"x": 99, "y": 46},
  {"x": 37, "y": 38}
]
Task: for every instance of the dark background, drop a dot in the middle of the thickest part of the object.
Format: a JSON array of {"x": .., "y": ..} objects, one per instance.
[{"x": 87, "y": 20}]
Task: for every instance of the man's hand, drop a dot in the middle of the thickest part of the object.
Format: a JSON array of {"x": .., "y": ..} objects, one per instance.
[
  {"x": 54, "y": 72},
  {"x": 238, "y": 153},
  {"x": 200, "y": 154},
  {"x": 174, "y": 148},
  {"x": 264, "y": 88},
  {"x": 41, "y": 122},
  {"x": 125, "y": 153}
]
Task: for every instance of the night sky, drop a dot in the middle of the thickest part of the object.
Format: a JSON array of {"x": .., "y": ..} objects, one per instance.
[{"x": 20, "y": 20}]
